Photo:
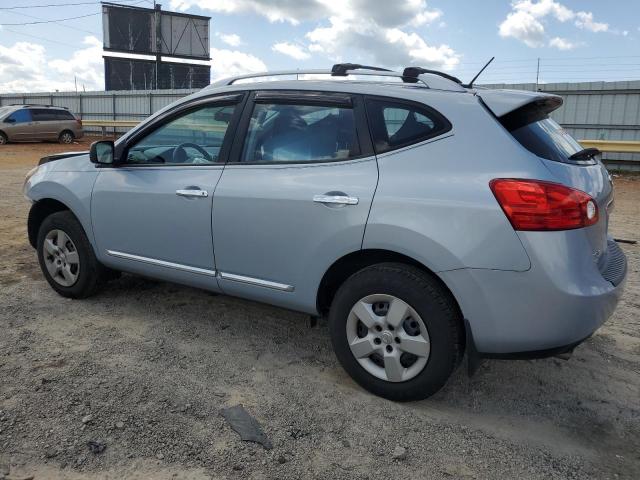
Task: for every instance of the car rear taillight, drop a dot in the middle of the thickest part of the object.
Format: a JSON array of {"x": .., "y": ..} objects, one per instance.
[
  {"x": 79, "y": 122},
  {"x": 538, "y": 205}
]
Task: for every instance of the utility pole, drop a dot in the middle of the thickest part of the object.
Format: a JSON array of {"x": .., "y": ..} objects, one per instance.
[
  {"x": 537, "y": 74},
  {"x": 157, "y": 9}
]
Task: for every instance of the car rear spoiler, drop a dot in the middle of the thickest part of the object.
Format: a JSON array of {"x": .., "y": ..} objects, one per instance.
[{"x": 503, "y": 102}]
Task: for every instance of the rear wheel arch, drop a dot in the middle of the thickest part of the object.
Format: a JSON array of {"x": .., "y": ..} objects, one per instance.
[
  {"x": 353, "y": 262},
  {"x": 39, "y": 211}
]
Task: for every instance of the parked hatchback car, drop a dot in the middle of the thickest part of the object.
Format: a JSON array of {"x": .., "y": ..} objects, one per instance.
[
  {"x": 426, "y": 219},
  {"x": 27, "y": 123}
]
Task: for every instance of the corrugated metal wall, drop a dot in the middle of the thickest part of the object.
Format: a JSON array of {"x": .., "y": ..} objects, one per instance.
[{"x": 591, "y": 110}]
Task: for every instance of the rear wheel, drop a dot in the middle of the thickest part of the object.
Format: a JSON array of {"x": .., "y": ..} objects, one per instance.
[
  {"x": 66, "y": 257},
  {"x": 3, "y": 139},
  {"x": 396, "y": 331},
  {"x": 66, "y": 137}
]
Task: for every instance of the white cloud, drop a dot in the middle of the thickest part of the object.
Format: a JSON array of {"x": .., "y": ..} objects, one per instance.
[
  {"x": 563, "y": 43},
  {"x": 230, "y": 39},
  {"x": 292, "y": 11},
  {"x": 378, "y": 31},
  {"x": 585, "y": 20},
  {"x": 24, "y": 68},
  {"x": 527, "y": 19},
  {"x": 86, "y": 64},
  {"x": 292, "y": 50},
  {"x": 227, "y": 63}
]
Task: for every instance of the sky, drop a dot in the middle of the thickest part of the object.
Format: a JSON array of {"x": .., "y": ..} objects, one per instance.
[{"x": 587, "y": 40}]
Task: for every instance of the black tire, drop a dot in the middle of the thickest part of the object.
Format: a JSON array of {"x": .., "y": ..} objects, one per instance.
[
  {"x": 66, "y": 137},
  {"x": 3, "y": 139},
  {"x": 433, "y": 303},
  {"x": 91, "y": 274}
]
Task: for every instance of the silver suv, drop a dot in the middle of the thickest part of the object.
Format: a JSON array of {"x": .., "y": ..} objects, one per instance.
[
  {"x": 425, "y": 218},
  {"x": 27, "y": 123}
]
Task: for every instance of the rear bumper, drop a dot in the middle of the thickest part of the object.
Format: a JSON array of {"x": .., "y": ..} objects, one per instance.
[{"x": 544, "y": 311}]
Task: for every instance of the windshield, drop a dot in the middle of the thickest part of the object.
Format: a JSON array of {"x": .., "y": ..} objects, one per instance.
[
  {"x": 547, "y": 139},
  {"x": 4, "y": 111}
]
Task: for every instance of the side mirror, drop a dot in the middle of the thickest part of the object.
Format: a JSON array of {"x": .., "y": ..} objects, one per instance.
[
  {"x": 9, "y": 120},
  {"x": 101, "y": 152}
]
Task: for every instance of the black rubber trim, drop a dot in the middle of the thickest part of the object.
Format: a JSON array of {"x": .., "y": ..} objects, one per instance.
[
  {"x": 533, "y": 354},
  {"x": 58, "y": 156}
]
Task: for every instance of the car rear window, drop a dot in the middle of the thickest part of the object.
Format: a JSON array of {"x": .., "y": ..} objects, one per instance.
[
  {"x": 547, "y": 139},
  {"x": 399, "y": 124}
]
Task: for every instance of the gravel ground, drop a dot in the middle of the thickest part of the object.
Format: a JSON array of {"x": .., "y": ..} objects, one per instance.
[{"x": 145, "y": 367}]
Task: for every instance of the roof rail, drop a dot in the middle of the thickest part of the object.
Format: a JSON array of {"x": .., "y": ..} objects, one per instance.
[
  {"x": 342, "y": 69},
  {"x": 411, "y": 74},
  {"x": 35, "y": 105},
  {"x": 232, "y": 80}
]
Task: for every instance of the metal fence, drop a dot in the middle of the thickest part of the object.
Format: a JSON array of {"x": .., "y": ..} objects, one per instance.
[
  {"x": 591, "y": 110},
  {"x": 116, "y": 105}
]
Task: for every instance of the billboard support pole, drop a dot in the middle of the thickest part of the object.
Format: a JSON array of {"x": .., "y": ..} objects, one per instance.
[{"x": 157, "y": 7}]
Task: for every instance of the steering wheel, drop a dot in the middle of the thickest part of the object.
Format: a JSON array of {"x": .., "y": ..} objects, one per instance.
[{"x": 180, "y": 154}]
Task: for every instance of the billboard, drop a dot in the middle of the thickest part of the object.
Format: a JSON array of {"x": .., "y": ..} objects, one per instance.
[
  {"x": 155, "y": 32},
  {"x": 135, "y": 74}
]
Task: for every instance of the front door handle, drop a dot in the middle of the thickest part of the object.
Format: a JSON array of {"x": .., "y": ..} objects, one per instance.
[
  {"x": 192, "y": 193},
  {"x": 335, "y": 199}
]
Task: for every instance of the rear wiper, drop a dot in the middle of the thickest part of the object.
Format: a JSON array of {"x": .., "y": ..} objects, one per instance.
[{"x": 585, "y": 154}]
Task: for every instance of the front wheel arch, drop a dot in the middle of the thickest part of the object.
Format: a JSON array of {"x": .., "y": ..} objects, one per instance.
[{"x": 39, "y": 211}]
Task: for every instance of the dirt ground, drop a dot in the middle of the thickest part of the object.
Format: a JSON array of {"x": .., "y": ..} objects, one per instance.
[{"x": 144, "y": 367}]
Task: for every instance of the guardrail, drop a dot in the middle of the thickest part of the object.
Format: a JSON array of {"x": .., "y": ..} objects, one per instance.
[
  {"x": 104, "y": 124},
  {"x": 612, "y": 146}
]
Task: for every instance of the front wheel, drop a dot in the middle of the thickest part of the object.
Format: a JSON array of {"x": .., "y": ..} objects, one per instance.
[
  {"x": 3, "y": 139},
  {"x": 66, "y": 257},
  {"x": 396, "y": 331}
]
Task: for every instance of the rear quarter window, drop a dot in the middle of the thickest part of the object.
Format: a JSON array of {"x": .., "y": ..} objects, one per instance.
[
  {"x": 63, "y": 115},
  {"x": 396, "y": 124}
]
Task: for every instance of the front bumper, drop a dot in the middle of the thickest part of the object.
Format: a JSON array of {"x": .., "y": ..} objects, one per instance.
[{"x": 544, "y": 311}]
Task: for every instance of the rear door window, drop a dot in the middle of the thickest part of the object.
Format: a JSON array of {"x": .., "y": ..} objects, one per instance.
[
  {"x": 399, "y": 124},
  {"x": 43, "y": 115},
  {"x": 20, "y": 116},
  {"x": 292, "y": 132}
]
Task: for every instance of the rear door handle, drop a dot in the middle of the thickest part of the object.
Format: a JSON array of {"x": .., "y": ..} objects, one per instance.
[
  {"x": 336, "y": 199},
  {"x": 192, "y": 193}
]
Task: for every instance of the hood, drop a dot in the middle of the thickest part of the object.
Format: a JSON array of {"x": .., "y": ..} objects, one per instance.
[{"x": 502, "y": 102}]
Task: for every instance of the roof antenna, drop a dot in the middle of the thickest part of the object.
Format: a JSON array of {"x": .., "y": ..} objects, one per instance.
[{"x": 470, "y": 84}]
